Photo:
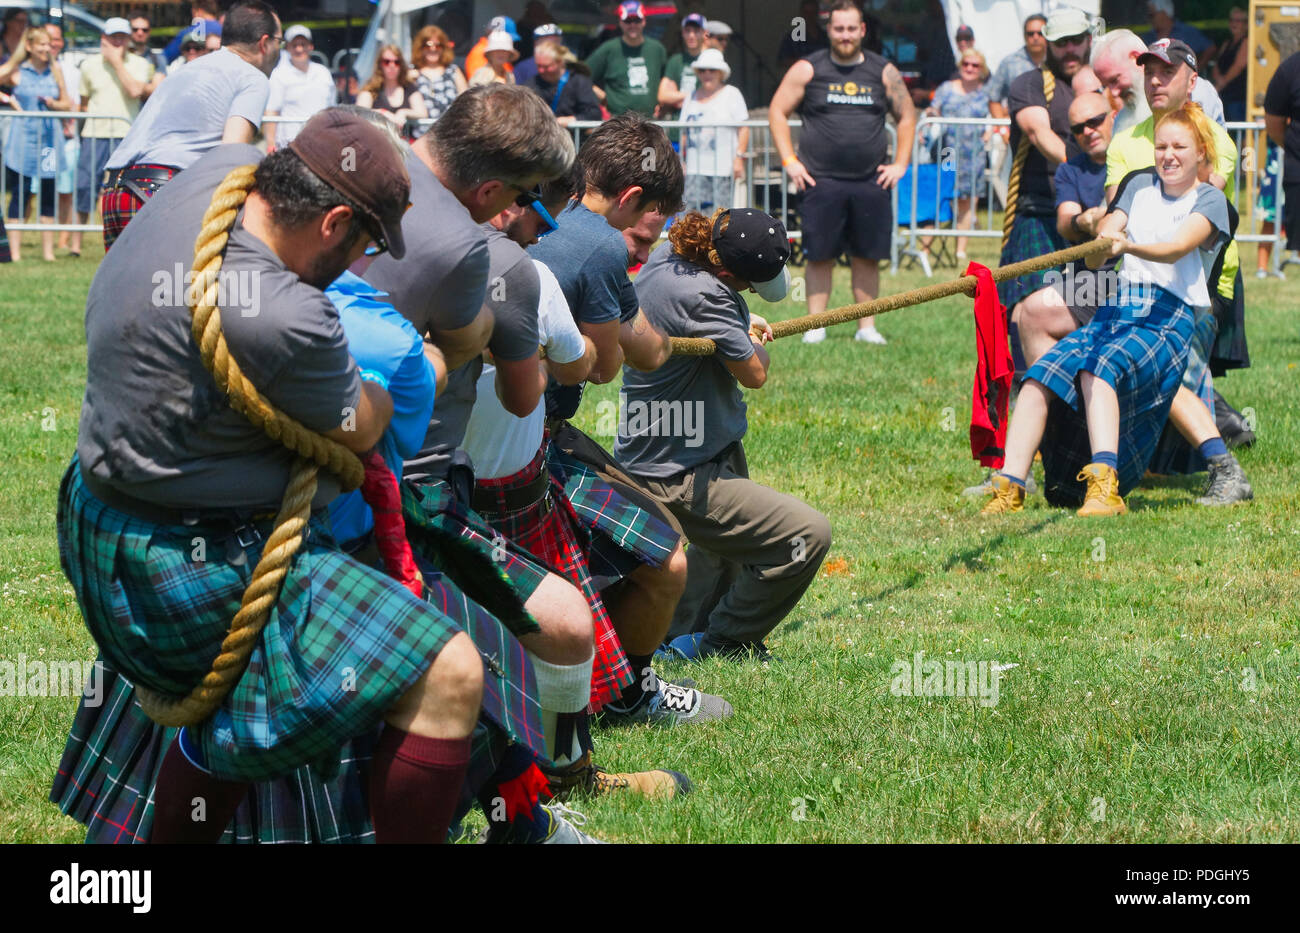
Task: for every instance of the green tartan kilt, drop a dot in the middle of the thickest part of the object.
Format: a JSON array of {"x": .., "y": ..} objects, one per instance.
[{"x": 342, "y": 644}]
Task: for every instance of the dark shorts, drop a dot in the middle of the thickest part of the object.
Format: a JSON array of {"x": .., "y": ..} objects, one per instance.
[
  {"x": 90, "y": 171},
  {"x": 1291, "y": 215},
  {"x": 839, "y": 215},
  {"x": 23, "y": 187}
]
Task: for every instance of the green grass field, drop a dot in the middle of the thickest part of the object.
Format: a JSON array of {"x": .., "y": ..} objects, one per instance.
[{"x": 1156, "y": 686}]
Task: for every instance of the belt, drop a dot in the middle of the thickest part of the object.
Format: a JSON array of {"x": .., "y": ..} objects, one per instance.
[
  {"x": 133, "y": 177},
  {"x": 493, "y": 499},
  {"x": 165, "y": 515}
]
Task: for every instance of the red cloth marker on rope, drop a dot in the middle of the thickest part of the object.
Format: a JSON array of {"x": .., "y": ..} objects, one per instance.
[{"x": 993, "y": 372}]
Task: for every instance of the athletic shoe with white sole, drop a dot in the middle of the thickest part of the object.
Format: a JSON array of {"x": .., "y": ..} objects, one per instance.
[
  {"x": 870, "y": 335},
  {"x": 816, "y": 335},
  {"x": 668, "y": 705},
  {"x": 1226, "y": 483},
  {"x": 562, "y": 830}
]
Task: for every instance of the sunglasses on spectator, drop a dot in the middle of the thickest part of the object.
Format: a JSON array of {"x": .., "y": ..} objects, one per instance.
[
  {"x": 1071, "y": 40},
  {"x": 1031, "y": 33},
  {"x": 1091, "y": 123},
  {"x": 970, "y": 64},
  {"x": 433, "y": 44},
  {"x": 139, "y": 28},
  {"x": 389, "y": 61}
]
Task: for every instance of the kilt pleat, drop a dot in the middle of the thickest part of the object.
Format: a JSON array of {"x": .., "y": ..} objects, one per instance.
[
  {"x": 1030, "y": 237},
  {"x": 551, "y": 531}
]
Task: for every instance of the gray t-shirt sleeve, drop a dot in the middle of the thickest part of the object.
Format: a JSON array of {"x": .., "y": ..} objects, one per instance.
[
  {"x": 250, "y": 98},
  {"x": 725, "y": 321},
  {"x": 603, "y": 275},
  {"x": 295, "y": 351},
  {"x": 1130, "y": 185},
  {"x": 513, "y": 299},
  {"x": 1212, "y": 203}
]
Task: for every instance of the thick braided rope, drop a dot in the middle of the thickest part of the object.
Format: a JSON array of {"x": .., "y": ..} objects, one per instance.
[
  {"x": 702, "y": 346},
  {"x": 314, "y": 450},
  {"x": 1018, "y": 166}
]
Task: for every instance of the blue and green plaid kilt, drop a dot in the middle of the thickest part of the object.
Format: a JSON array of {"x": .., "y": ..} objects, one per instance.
[
  {"x": 628, "y": 526},
  {"x": 1139, "y": 348},
  {"x": 106, "y": 779},
  {"x": 342, "y": 643},
  {"x": 1030, "y": 237}
]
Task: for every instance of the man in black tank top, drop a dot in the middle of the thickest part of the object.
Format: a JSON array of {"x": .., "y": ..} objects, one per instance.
[{"x": 844, "y": 95}]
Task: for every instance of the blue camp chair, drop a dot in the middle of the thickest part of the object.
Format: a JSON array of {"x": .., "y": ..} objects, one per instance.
[{"x": 935, "y": 184}]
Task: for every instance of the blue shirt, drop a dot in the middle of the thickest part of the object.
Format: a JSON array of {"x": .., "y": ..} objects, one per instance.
[
  {"x": 1082, "y": 181},
  {"x": 30, "y": 147},
  {"x": 1195, "y": 39},
  {"x": 385, "y": 344},
  {"x": 525, "y": 71},
  {"x": 589, "y": 259}
]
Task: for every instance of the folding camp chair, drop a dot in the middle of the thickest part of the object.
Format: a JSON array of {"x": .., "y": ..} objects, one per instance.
[{"x": 934, "y": 185}]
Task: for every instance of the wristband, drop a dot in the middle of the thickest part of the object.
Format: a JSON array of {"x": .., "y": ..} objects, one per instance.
[
  {"x": 786, "y": 163},
  {"x": 369, "y": 375}
]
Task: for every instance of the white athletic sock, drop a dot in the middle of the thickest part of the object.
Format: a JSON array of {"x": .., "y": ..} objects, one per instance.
[{"x": 561, "y": 688}]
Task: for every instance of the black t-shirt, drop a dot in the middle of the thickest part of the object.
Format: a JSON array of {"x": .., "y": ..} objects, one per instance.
[
  {"x": 1282, "y": 99},
  {"x": 1037, "y": 190},
  {"x": 844, "y": 110}
]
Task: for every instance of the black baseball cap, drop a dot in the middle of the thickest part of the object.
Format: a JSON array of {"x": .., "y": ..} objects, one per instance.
[
  {"x": 755, "y": 247},
  {"x": 1171, "y": 52}
]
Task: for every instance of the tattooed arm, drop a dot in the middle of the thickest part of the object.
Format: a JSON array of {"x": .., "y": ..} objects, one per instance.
[{"x": 900, "y": 105}]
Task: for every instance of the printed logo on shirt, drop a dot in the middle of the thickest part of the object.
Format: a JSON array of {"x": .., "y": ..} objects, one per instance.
[
  {"x": 638, "y": 74},
  {"x": 849, "y": 92}
]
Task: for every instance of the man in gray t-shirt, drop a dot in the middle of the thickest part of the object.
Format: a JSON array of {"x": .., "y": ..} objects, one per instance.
[
  {"x": 154, "y": 425},
  {"x": 216, "y": 99}
]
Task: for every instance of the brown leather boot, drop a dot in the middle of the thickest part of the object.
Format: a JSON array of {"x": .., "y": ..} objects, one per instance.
[{"x": 584, "y": 779}]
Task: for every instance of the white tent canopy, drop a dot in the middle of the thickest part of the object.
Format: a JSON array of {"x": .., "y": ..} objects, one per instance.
[{"x": 997, "y": 23}]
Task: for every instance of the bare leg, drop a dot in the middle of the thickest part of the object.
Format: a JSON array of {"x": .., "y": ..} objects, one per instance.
[
  {"x": 818, "y": 279},
  {"x": 1041, "y": 320},
  {"x": 865, "y": 274},
  {"x": 565, "y": 620},
  {"x": 1192, "y": 419},
  {"x": 965, "y": 221},
  {"x": 1265, "y": 251},
  {"x": 1025, "y": 432},
  {"x": 444, "y": 703},
  {"x": 76, "y": 235},
  {"x": 1101, "y": 406},
  {"x": 47, "y": 240},
  {"x": 641, "y": 605}
]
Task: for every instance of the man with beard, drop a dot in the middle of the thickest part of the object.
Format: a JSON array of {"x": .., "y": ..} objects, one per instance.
[
  {"x": 1115, "y": 61},
  {"x": 164, "y": 461},
  {"x": 218, "y": 99},
  {"x": 844, "y": 94}
]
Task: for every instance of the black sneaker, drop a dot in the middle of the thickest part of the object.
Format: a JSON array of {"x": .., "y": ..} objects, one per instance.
[{"x": 1227, "y": 483}]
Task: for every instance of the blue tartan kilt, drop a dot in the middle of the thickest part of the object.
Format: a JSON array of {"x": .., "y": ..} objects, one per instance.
[
  {"x": 1140, "y": 348},
  {"x": 342, "y": 644}
]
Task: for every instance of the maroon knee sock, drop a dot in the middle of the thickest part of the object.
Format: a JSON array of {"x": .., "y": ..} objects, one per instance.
[
  {"x": 415, "y": 784},
  {"x": 190, "y": 805}
]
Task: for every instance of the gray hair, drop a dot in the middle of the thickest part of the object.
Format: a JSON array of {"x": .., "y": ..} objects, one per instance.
[
  {"x": 500, "y": 131},
  {"x": 1117, "y": 43},
  {"x": 375, "y": 118}
]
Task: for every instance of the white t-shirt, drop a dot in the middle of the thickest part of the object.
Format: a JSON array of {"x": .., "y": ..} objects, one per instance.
[
  {"x": 300, "y": 95},
  {"x": 497, "y": 442},
  {"x": 1154, "y": 218},
  {"x": 713, "y": 151}
]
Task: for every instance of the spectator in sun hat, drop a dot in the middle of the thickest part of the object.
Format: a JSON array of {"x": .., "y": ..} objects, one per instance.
[
  {"x": 545, "y": 34},
  {"x": 626, "y": 71},
  {"x": 716, "y": 35},
  {"x": 742, "y": 579},
  {"x": 477, "y": 56},
  {"x": 715, "y": 157},
  {"x": 500, "y": 53},
  {"x": 300, "y": 88}
]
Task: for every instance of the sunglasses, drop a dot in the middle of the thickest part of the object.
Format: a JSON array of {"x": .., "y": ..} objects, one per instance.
[
  {"x": 1031, "y": 34},
  {"x": 433, "y": 44},
  {"x": 970, "y": 64},
  {"x": 1080, "y": 39},
  {"x": 379, "y": 245},
  {"x": 533, "y": 198},
  {"x": 389, "y": 61},
  {"x": 1090, "y": 124}
]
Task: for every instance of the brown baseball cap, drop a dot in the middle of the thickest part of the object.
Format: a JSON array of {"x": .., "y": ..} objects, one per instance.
[{"x": 358, "y": 160}]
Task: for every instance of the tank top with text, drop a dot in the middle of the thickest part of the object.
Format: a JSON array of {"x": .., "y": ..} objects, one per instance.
[{"x": 844, "y": 111}]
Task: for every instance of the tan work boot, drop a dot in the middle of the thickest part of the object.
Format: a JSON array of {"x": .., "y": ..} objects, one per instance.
[
  {"x": 582, "y": 778},
  {"x": 1007, "y": 496},
  {"x": 1102, "y": 497}
]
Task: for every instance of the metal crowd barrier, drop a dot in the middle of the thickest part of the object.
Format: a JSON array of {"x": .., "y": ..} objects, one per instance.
[
  {"x": 1250, "y": 177},
  {"x": 12, "y": 153}
]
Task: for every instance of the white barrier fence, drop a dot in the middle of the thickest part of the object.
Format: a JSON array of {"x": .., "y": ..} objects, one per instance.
[{"x": 61, "y": 166}]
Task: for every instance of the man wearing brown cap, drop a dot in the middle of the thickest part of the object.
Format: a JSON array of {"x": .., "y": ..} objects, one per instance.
[{"x": 172, "y": 493}]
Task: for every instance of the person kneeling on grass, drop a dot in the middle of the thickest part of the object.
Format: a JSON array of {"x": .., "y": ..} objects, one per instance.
[
  {"x": 1128, "y": 362},
  {"x": 753, "y": 551}
]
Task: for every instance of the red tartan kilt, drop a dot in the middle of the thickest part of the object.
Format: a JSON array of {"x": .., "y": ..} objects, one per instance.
[
  {"x": 118, "y": 205},
  {"x": 552, "y": 532}
]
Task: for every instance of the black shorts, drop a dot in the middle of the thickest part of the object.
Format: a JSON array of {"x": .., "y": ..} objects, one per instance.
[
  {"x": 1291, "y": 215},
  {"x": 839, "y": 215}
]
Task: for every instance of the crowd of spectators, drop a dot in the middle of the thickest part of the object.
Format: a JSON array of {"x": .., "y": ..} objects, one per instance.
[{"x": 628, "y": 71}]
